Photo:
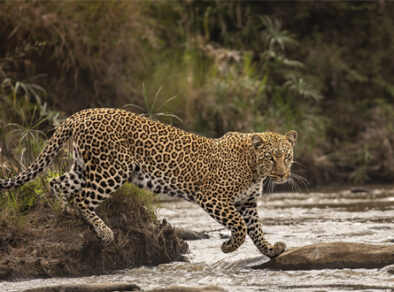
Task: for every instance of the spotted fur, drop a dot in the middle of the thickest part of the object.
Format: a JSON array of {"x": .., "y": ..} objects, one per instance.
[{"x": 224, "y": 176}]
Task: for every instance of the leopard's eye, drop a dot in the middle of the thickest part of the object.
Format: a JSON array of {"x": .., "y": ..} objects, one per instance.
[{"x": 270, "y": 157}]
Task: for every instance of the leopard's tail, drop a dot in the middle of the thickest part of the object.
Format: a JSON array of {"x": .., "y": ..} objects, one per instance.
[{"x": 52, "y": 147}]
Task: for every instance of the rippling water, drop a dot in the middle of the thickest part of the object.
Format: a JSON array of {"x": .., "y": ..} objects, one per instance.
[{"x": 295, "y": 218}]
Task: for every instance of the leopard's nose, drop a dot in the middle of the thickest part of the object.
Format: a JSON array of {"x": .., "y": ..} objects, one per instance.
[{"x": 279, "y": 177}]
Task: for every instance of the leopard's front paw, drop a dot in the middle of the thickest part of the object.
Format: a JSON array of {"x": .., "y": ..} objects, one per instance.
[
  {"x": 276, "y": 250},
  {"x": 227, "y": 246},
  {"x": 232, "y": 244}
]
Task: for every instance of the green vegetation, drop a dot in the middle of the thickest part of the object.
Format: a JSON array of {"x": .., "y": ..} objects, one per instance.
[
  {"x": 142, "y": 197},
  {"x": 153, "y": 110},
  {"x": 321, "y": 68}
]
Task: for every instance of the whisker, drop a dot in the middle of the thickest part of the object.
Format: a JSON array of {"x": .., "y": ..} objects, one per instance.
[
  {"x": 269, "y": 185},
  {"x": 265, "y": 186},
  {"x": 272, "y": 186},
  {"x": 295, "y": 185},
  {"x": 290, "y": 182},
  {"x": 301, "y": 178},
  {"x": 298, "y": 163},
  {"x": 298, "y": 179}
]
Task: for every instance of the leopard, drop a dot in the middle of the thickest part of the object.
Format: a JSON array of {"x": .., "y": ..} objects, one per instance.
[{"x": 223, "y": 175}]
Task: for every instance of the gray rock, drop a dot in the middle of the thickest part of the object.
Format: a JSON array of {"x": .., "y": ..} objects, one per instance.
[
  {"x": 118, "y": 286},
  {"x": 92, "y": 287},
  {"x": 388, "y": 269},
  {"x": 332, "y": 255},
  {"x": 356, "y": 190},
  {"x": 190, "y": 234},
  {"x": 189, "y": 289},
  {"x": 224, "y": 235}
]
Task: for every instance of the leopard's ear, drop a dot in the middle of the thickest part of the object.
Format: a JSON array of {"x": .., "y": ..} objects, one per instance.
[
  {"x": 291, "y": 136},
  {"x": 256, "y": 141}
]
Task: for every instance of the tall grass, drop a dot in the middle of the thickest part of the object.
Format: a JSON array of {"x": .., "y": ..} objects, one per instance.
[
  {"x": 79, "y": 49},
  {"x": 154, "y": 110}
]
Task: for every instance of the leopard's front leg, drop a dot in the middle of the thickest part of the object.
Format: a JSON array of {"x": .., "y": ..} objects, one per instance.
[
  {"x": 225, "y": 213},
  {"x": 248, "y": 211}
]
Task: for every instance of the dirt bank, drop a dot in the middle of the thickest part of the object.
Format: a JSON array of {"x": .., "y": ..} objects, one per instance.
[{"x": 46, "y": 243}]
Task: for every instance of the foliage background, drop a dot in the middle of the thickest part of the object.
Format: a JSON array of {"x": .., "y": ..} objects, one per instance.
[{"x": 324, "y": 69}]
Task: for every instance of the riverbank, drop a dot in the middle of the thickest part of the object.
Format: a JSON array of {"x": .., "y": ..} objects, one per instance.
[{"x": 46, "y": 243}]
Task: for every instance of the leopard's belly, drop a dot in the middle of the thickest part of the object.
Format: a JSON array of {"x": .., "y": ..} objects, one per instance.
[{"x": 158, "y": 185}]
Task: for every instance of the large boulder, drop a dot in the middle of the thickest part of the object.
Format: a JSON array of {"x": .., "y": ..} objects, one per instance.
[{"x": 332, "y": 255}]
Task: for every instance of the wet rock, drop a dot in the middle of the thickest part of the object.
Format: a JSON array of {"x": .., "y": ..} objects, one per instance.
[
  {"x": 189, "y": 289},
  {"x": 360, "y": 190},
  {"x": 186, "y": 234},
  {"x": 333, "y": 255},
  {"x": 119, "y": 286},
  {"x": 93, "y": 287},
  {"x": 224, "y": 235},
  {"x": 388, "y": 269}
]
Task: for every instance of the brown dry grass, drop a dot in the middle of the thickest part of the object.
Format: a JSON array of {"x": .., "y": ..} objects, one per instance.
[
  {"x": 49, "y": 244},
  {"x": 85, "y": 53}
]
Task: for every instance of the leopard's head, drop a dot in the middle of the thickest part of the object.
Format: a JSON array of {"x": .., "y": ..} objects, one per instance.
[{"x": 274, "y": 154}]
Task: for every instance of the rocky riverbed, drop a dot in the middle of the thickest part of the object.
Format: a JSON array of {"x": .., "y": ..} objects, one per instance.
[{"x": 337, "y": 240}]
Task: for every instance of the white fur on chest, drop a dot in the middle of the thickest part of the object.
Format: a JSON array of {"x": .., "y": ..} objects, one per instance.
[{"x": 252, "y": 191}]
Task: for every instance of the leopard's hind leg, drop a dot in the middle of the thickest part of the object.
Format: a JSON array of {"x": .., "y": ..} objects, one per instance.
[
  {"x": 99, "y": 186},
  {"x": 69, "y": 184}
]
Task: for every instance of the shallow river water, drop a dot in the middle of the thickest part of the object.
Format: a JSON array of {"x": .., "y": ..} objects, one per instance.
[{"x": 297, "y": 219}]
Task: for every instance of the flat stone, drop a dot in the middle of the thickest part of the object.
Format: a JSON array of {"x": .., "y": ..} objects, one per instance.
[
  {"x": 332, "y": 255},
  {"x": 90, "y": 287},
  {"x": 119, "y": 286},
  {"x": 186, "y": 234},
  {"x": 189, "y": 289},
  {"x": 356, "y": 190}
]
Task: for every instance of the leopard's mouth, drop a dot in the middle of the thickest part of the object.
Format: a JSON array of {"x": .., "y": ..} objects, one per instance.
[{"x": 277, "y": 179}]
